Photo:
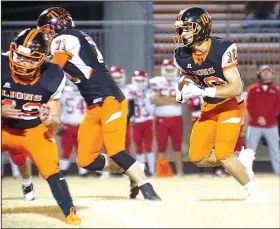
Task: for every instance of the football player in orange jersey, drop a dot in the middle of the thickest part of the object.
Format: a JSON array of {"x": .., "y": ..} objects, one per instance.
[
  {"x": 31, "y": 88},
  {"x": 105, "y": 120},
  {"x": 213, "y": 61}
]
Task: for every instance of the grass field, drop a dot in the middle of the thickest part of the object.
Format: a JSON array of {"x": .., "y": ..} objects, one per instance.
[{"x": 189, "y": 201}]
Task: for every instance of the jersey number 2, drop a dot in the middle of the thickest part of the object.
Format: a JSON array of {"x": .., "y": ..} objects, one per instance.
[
  {"x": 213, "y": 81},
  {"x": 31, "y": 110}
]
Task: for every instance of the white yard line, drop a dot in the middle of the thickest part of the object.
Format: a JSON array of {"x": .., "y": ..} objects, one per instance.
[{"x": 119, "y": 212}]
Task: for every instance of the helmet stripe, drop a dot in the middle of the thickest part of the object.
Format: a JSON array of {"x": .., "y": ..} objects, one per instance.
[
  {"x": 28, "y": 36},
  {"x": 55, "y": 13},
  {"x": 181, "y": 14},
  {"x": 36, "y": 31},
  {"x": 51, "y": 14}
]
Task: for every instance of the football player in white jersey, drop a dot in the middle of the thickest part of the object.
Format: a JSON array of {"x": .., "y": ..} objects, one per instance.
[
  {"x": 73, "y": 108},
  {"x": 142, "y": 121},
  {"x": 169, "y": 121}
]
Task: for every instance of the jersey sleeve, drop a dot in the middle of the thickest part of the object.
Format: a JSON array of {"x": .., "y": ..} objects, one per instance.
[
  {"x": 65, "y": 43},
  {"x": 229, "y": 58},
  {"x": 57, "y": 83}
]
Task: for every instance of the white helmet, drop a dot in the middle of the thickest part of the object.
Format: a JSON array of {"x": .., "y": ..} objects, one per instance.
[
  {"x": 118, "y": 74},
  {"x": 168, "y": 69},
  {"x": 139, "y": 80}
]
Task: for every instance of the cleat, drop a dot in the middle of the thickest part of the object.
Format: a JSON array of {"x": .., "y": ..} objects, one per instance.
[
  {"x": 72, "y": 218},
  {"x": 134, "y": 190},
  {"x": 149, "y": 192},
  {"x": 28, "y": 192},
  {"x": 255, "y": 198}
]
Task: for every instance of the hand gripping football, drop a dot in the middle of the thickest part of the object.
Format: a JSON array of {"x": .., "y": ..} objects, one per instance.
[{"x": 186, "y": 80}]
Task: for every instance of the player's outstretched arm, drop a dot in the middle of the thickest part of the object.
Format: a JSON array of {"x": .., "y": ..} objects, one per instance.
[
  {"x": 50, "y": 114},
  {"x": 61, "y": 58}
]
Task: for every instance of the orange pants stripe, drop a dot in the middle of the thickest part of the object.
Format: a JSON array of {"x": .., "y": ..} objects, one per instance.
[
  {"x": 37, "y": 143},
  {"x": 217, "y": 127},
  {"x": 102, "y": 125}
]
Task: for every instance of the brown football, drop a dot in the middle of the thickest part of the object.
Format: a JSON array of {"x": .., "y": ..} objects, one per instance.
[{"x": 187, "y": 80}]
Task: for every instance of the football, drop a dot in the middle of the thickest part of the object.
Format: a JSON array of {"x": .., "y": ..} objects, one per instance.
[{"x": 187, "y": 79}]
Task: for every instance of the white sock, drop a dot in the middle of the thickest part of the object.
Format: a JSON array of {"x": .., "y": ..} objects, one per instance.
[
  {"x": 251, "y": 188},
  {"x": 26, "y": 182},
  {"x": 151, "y": 162},
  {"x": 64, "y": 164},
  {"x": 14, "y": 168},
  {"x": 140, "y": 158}
]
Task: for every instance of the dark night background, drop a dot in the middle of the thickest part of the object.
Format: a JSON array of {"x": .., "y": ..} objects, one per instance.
[{"x": 30, "y": 10}]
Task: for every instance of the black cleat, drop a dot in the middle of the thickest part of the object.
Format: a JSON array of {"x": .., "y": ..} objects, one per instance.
[
  {"x": 28, "y": 192},
  {"x": 134, "y": 189},
  {"x": 149, "y": 192}
]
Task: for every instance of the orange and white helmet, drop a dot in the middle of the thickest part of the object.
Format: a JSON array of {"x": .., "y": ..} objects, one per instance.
[
  {"x": 168, "y": 69},
  {"x": 118, "y": 74},
  {"x": 139, "y": 80}
]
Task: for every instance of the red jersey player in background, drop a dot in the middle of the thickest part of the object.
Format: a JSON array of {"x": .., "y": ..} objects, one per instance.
[
  {"x": 73, "y": 108},
  {"x": 169, "y": 121},
  {"x": 142, "y": 121}
]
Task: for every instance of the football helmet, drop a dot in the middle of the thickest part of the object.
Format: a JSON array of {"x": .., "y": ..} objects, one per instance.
[
  {"x": 168, "y": 69},
  {"x": 192, "y": 25},
  {"x": 118, "y": 74},
  {"x": 27, "y": 53},
  {"x": 139, "y": 80},
  {"x": 54, "y": 20}
]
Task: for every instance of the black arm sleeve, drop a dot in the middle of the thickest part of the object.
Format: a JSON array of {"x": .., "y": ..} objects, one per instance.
[{"x": 130, "y": 109}]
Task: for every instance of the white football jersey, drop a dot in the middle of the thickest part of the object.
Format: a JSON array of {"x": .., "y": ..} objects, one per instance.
[
  {"x": 165, "y": 88},
  {"x": 143, "y": 106},
  {"x": 73, "y": 106},
  {"x": 128, "y": 91}
]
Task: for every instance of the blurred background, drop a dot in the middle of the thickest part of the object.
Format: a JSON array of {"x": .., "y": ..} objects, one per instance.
[{"x": 138, "y": 35}]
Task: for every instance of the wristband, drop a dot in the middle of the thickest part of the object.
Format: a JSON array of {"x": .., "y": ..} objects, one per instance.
[{"x": 209, "y": 92}]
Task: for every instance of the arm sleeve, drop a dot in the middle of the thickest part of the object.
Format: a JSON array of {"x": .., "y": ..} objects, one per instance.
[
  {"x": 229, "y": 59},
  {"x": 130, "y": 109},
  {"x": 278, "y": 103}
]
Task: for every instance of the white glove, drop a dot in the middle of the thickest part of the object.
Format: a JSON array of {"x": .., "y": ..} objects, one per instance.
[
  {"x": 193, "y": 90},
  {"x": 179, "y": 96}
]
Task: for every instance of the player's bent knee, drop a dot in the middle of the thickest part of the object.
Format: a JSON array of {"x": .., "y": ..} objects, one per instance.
[
  {"x": 97, "y": 165},
  {"x": 123, "y": 159}
]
